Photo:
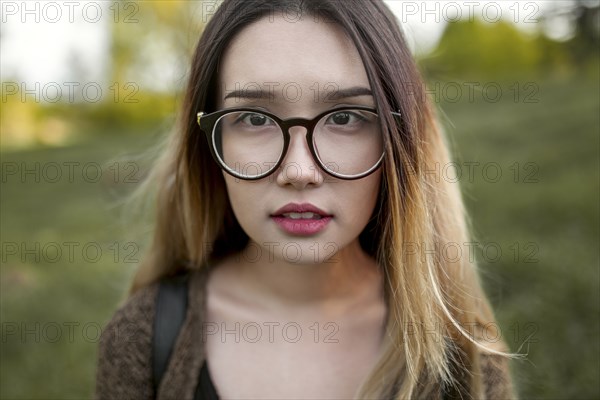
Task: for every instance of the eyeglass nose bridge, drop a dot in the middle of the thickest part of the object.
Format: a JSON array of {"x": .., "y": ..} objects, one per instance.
[{"x": 309, "y": 125}]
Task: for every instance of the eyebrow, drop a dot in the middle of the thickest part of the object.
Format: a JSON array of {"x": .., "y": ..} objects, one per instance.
[
  {"x": 349, "y": 92},
  {"x": 338, "y": 94}
]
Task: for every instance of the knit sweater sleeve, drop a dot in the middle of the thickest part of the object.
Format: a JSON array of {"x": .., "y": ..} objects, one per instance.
[
  {"x": 496, "y": 378},
  {"x": 124, "y": 369}
]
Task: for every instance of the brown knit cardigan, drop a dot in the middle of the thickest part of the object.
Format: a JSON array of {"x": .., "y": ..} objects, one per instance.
[{"x": 125, "y": 352}]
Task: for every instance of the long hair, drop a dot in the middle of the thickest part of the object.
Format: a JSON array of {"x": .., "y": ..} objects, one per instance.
[{"x": 431, "y": 297}]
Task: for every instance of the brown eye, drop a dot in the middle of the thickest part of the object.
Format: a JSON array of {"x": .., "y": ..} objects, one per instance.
[
  {"x": 341, "y": 118},
  {"x": 254, "y": 119},
  {"x": 345, "y": 119},
  {"x": 257, "y": 119}
]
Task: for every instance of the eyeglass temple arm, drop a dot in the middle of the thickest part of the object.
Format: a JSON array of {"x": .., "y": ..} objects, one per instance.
[
  {"x": 397, "y": 116},
  {"x": 199, "y": 116}
]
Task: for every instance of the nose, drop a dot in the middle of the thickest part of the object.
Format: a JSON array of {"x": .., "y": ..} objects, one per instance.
[{"x": 299, "y": 168}]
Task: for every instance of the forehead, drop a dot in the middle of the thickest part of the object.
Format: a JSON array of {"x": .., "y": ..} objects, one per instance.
[{"x": 305, "y": 57}]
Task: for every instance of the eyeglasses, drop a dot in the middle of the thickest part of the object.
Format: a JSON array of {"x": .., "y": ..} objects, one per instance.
[{"x": 248, "y": 143}]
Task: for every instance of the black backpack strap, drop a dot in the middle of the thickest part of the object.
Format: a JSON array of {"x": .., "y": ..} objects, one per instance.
[{"x": 171, "y": 306}]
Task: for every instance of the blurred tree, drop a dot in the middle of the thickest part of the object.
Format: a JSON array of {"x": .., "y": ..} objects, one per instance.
[
  {"x": 477, "y": 49},
  {"x": 151, "y": 44},
  {"x": 580, "y": 49},
  {"x": 588, "y": 23},
  {"x": 481, "y": 50},
  {"x": 149, "y": 33},
  {"x": 585, "y": 45}
]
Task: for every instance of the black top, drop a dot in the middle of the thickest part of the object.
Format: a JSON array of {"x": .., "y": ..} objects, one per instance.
[{"x": 205, "y": 389}]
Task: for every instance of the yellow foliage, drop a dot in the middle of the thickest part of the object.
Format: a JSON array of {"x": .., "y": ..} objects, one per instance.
[{"x": 24, "y": 124}]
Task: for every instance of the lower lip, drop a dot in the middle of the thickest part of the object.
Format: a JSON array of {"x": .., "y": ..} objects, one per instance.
[{"x": 302, "y": 226}]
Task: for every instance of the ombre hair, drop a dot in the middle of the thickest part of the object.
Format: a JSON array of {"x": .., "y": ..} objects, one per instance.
[{"x": 431, "y": 298}]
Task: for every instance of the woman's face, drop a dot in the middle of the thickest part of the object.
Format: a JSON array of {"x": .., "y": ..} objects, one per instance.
[{"x": 303, "y": 67}]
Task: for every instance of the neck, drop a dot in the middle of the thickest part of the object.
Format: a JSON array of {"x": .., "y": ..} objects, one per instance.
[{"x": 276, "y": 282}]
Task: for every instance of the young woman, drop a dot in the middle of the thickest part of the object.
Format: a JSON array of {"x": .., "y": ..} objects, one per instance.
[{"x": 298, "y": 193}]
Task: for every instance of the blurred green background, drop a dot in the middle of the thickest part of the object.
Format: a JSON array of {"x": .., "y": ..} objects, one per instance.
[{"x": 521, "y": 110}]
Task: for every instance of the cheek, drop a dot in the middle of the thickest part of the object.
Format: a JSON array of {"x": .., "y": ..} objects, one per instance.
[
  {"x": 361, "y": 198},
  {"x": 246, "y": 200},
  {"x": 369, "y": 191}
]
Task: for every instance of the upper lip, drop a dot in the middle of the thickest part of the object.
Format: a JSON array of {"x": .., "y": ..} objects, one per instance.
[{"x": 300, "y": 208}]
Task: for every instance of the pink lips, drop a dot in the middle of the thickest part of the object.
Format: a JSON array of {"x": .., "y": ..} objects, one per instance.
[{"x": 302, "y": 227}]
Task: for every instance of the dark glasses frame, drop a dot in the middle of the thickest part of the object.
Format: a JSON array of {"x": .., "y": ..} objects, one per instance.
[{"x": 207, "y": 124}]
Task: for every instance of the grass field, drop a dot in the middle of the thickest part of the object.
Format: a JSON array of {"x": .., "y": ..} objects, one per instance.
[{"x": 542, "y": 213}]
